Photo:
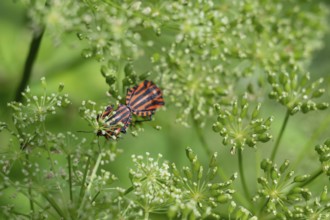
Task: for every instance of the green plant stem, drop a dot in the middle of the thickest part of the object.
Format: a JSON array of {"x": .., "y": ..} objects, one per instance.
[
  {"x": 92, "y": 177},
  {"x": 146, "y": 215},
  {"x": 209, "y": 153},
  {"x": 205, "y": 146},
  {"x": 263, "y": 207},
  {"x": 96, "y": 195},
  {"x": 36, "y": 202},
  {"x": 54, "y": 205},
  {"x": 278, "y": 140},
  {"x": 316, "y": 174},
  {"x": 132, "y": 187},
  {"x": 241, "y": 172},
  {"x": 82, "y": 188},
  {"x": 129, "y": 190},
  {"x": 70, "y": 177},
  {"x": 30, "y": 60},
  {"x": 30, "y": 183}
]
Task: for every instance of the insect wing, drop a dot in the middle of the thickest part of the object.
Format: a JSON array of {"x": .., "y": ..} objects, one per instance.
[{"x": 145, "y": 98}]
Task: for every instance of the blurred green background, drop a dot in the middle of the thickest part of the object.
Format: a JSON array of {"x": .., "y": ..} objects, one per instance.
[{"x": 83, "y": 81}]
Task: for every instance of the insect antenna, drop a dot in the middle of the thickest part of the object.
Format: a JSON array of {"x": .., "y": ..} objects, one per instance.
[{"x": 85, "y": 131}]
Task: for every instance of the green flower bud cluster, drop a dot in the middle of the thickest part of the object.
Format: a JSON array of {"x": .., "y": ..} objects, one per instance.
[
  {"x": 37, "y": 108},
  {"x": 29, "y": 117},
  {"x": 152, "y": 183},
  {"x": 215, "y": 44},
  {"x": 283, "y": 194},
  {"x": 199, "y": 194},
  {"x": 239, "y": 127},
  {"x": 323, "y": 150},
  {"x": 317, "y": 208},
  {"x": 189, "y": 193},
  {"x": 198, "y": 49},
  {"x": 296, "y": 92}
]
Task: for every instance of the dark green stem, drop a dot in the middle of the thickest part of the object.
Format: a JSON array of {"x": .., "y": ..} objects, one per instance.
[
  {"x": 30, "y": 59},
  {"x": 132, "y": 187},
  {"x": 54, "y": 205},
  {"x": 241, "y": 172},
  {"x": 278, "y": 140},
  {"x": 128, "y": 190},
  {"x": 70, "y": 177},
  {"x": 96, "y": 195},
  {"x": 316, "y": 174}
]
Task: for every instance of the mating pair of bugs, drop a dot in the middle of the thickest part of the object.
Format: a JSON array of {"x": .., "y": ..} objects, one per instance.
[{"x": 141, "y": 100}]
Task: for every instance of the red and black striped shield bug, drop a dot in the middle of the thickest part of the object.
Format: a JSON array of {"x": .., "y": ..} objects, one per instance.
[{"x": 141, "y": 100}]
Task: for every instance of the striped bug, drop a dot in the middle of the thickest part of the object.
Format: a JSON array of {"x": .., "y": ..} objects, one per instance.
[{"x": 141, "y": 100}]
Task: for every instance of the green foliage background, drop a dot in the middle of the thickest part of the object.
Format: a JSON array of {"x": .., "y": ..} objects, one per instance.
[{"x": 83, "y": 81}]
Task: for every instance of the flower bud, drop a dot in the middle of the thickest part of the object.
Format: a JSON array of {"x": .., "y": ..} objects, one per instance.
[
  {"x": 224, "y": 198},
  {"x": 213, "y": 161},
  {"x": 128, "y": 69},
  {"x": 256, "y": 111},
  {"x": 265, "y": 165},
  {"x": 324, "y": 194},
  {"x": 301, "y": 178},
  {"x": 322, "y": 106},
  {"x": 318, "y": 93},
  {"x": 190, "y": 154},
  {"x": 284, "y": 166},
  {"x": 187, "y": 172},
  {"x": 306, "y": 194},
  {"x": 216, "y": 127}
]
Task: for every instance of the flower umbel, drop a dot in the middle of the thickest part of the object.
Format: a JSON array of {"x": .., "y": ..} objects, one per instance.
[
  {"x": 283, "y": 193},
  {"x": 238, "y": 127},
  {"x": 296, "y": 92},
  {"x": 152, "y": 183},
  {"x": 323, "y": 150},
  {"x": 197, "y": 192},
  {"x": 29, "y": 117}
]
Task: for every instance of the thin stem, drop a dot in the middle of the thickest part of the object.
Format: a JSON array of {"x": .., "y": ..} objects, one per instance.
[
  {"x": 263, "y": 207},
  {"x": 202, "y": 139},
  {"x": 30, "y": 183},
  {"x": 19, "y": 189},
  {"x": 82, "y": 188},
  {"x": 209, "y": 153},
  {"x": 92, "y": 177},
  {"x": 241, "y": 172},
  {"x": 54, "y": 205},
  {"x": 129, "y": 190},
  {"x": 277, "y": 143},
  {"x": 206, "y": 147},
  {"x": 70, "y": 177},
  {"x": 30, "y": 60},
  {"x": 96, "y": 195},
  {"x": 316, "y": 174}
]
